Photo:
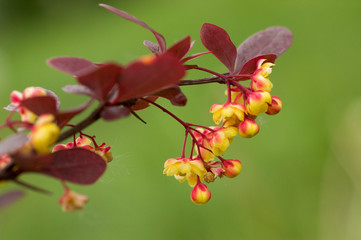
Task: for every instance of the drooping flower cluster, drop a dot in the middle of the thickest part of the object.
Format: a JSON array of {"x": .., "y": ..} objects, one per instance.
[
  {"x": 236, "y": 115},
  {"x": 122, "y": 90}
]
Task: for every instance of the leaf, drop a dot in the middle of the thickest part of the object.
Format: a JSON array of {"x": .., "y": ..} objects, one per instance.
[
  {"x": 153, "y": 47},
  {"x": 193, "y": 56},
  {"x": 13, "y": 143},
  {"x": 114, "y": 112},
  {"x": 77, "y": 165},
  {"x": 102, "y": 80},
  {"x": 273, "y": 40},
  {"x": 10, "y": 197},
  {"x": 174, "y": 95},
  {"x": 143, "y": 78},
  {"x": 78, "y": 89},
  {"x": 64, "y": 117},
  {"x": 52, "y": 94},
  {"x": 141, "y": 104},
  {"x": 127, "y": 16},
  {"x": 71, "y": 65},
  {"x": 181, "y": 48},
  {"x": 216, "y": 40},
  {"x": 41, "y": 105}
]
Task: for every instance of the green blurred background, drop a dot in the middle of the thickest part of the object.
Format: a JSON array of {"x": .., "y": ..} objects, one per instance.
[{"x": 301, "y": 175}]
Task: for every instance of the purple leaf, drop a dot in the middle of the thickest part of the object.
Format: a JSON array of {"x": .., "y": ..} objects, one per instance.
[
  {"x": 78, "y": 89},
  {"x": 174, "y": 95},
  {"x": 77, "y": 165},
  {"x": 102, "y": 80},
  {"x": 216, "y": 40},
  {"x": 10, "y": 197},
  {"x": 41, "y": 105},
  {"x": 13, "y": 143},
  {"x": 273, "y": 40},
  {"x": 114, "y": 112},
  {"x": 72, "y": 65},
  {"x": 143, "y": 78},
  {"x": 153, "y": 47},
  {"x": 181, "y": 48},
  {"x": 127, "y": 16},
  {"x": 193, "y": 56}
]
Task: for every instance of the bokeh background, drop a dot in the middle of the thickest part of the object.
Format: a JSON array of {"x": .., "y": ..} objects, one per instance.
[{"x": 301, "y": 175}]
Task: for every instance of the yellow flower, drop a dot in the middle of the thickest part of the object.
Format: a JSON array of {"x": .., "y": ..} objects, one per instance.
[
  {"x": 44, "y": 133},
  {"x": 229, "y": 113},
  {"x": 248, "y": 128},
  {"x": 260, "y": 80},
  {"x": 222, "y": 138},
  {"x": 185, "y": 169},
  {"x": 217, "y": 140},
  {"x": 257, "y": 102}
]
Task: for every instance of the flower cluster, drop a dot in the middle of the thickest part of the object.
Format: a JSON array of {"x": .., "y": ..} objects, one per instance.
[
  {"x": 245, "y": 104},
  {"x": 123, "y": 90}
]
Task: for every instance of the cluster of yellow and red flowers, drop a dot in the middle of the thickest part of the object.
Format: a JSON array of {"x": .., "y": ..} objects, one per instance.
[
  {"x": 237, "y": 115},
  {"x": 122, "y": 90}
]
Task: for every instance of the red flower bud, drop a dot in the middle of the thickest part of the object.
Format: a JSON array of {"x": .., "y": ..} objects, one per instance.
[
  {"x": 232, "y": 167},
  {"x": 200, "y": 194},
  {"x": 248, "y": 128},
  {"x": 275, "y": 107}
]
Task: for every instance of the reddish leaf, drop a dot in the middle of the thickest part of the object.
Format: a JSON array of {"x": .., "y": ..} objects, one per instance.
[
  {"x": 78, "y": 89},
  {"x": 102, "y": 80},
  {"x": 141, "y": 104},
  {"x": 153, "y": 47},
  {"x": 174, "y": 95},
  {"x": 114, "y": 112},
  {"x": 52, "y": 94},
  {"x": 181, "y": 48},
  {"x": 216, "y": 40},
  {"x": 10, "y": 197},
  {"x": 77, "y": 165},
  {"x": 143, "y": 78},
  {"x": 13, "y": 143},
  {"x": 64, "y": 117},
  {"x": 193, "y": 56},
  {"x": 251, "y": 66},
  {"x": 131, "y": 18},
  {"x": 71, "y": 65},
  {"x": 273, "y": 40},
  {"x": 41, "y": 105}
]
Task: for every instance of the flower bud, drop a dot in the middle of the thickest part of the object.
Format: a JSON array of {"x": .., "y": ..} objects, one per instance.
[
  {"x": 228, "y": 113},
  {"x": 275, "y": 106},
  {"x": 248, "y": 128},
  {"x": 72, "y": 201},
  {"x": 232, "y": 167},
  {"x": 200, "y": 194},
  {"x": 44, "y": 134},
  {"x": 257, "y": 102}
]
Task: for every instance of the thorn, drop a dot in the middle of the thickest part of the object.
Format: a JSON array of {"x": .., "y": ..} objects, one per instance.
[{"x": 137, "y": 116}]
